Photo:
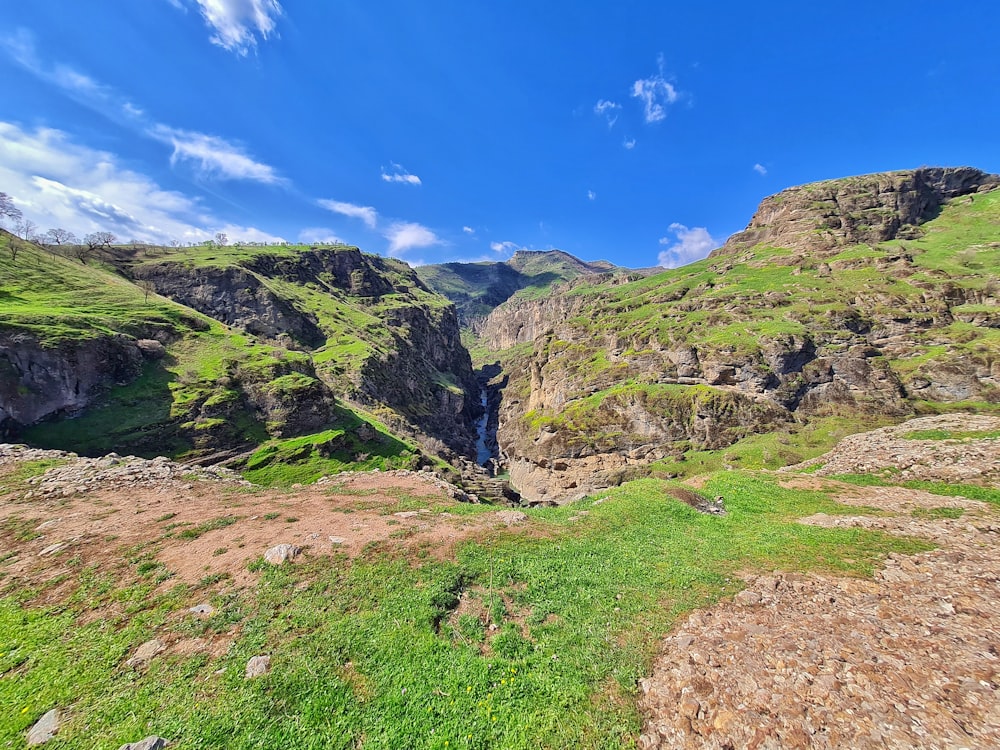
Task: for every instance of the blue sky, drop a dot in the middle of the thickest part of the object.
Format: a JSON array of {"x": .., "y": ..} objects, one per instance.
[{"x": 637, "y": 132}]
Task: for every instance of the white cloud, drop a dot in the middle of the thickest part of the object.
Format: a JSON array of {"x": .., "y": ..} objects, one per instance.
[
  {"x": 319, "y": 236},
  {"x": 59, "y": 183},
  {"x": 367, "y": 214},
  {"x": 213, "y": 156},
  {"x": 760, "y": 169},
  {"x": 656, "y": 93},
  {"x": 629, "y": 143},
  {"x": 468, "y": 230},
  {"x": 400, "y": 175},
  {"x": 591, "y": 195},
  {"x": 608, "y": 110},
  {"x": 236, "y": 24},
  {"x": 406, "y": 235},
  {"x": 686, "y": 246}
]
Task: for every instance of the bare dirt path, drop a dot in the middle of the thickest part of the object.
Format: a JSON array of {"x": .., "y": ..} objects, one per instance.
[{"x": 910, "y": 659}]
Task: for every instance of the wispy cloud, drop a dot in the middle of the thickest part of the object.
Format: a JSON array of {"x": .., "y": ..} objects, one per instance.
[
  {"x": 213, "y": 156},
  {"x": 468, "y": 230},
  {"x": 760, "y": 169},
  {"x": 367, "y": 214},
  {"x": 407, "y": 235},
  {"x": 237, "y": 24},
  {"x": 686, "y": 246},
  {"x": 656, "y": 93},
  {"x": 629, "y": 143},
  {"x": 60, "y": 183},
  {"x": 399, "y": 174},
  {"x": 591, "y": 195},
  {"x": 608, "y": 110},
  {"x": 319, "y": 236}
]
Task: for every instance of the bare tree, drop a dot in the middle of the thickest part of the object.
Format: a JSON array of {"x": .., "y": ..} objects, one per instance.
[
  {"x": 14, "y": 245},
  {"x": 8, "y": 210},
  {"x": 60, "y": 237},
  {"x": 147, "y": 288},
  {"x": 25, "y": 227},
  {"x": 92, "y": 243},
  {"x": 221, "y": 239}
]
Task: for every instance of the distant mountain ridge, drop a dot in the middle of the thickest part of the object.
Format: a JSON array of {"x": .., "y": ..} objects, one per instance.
[{"x": 478, "y": 288}]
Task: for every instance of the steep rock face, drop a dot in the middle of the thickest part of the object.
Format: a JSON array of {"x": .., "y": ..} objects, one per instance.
[
  {"x": 235, "y": 297},
  {"x": 873, "y": 208},
  {"x": 791, "y": 327},
  {"x": 37, "y": 382},
  {"x": 412, "y": 358}
]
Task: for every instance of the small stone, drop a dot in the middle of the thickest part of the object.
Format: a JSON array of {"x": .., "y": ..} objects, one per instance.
[
  {"x": 512, "y": 517},
  {"x": 145, "y": 653},
  {"x": 149, "y": 743},
  {"x": 45, "y": 728},
  {"x": 406, "y": 514},
  {"x": 337, "y": 540},
  {"x": 747, "y": 598},
  {"x": 52, "y": 549},
  {"x": 281, "y": 552},
  {"x": 202, "y": 609},
  {"x": 258, "y": 666}
]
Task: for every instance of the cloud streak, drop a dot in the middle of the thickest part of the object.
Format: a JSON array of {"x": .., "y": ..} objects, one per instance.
[
  {"x": 60, "y": 183},
  {"x": 367, "y": 214},
  {"x": 608, "y": 110},
  {"x": 213, "y": 156},
  {"x": 408, "y": 235},
  {"x": 686, "y": 246},
  {"x": 236, "y": 25},
  {"x": 399, "y": 174},
  {"x": 760, "y": 169}
]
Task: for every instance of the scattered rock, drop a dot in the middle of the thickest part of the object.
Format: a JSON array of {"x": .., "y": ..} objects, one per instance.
[
  {"x": 52, "y": 549},
  {"x": 151, "y": 348},
  {"x": 145, "y": 654},
  {"x": 281, "y": 552},
  {"x": 512, "y": 517},
  {"x": 45, "y": 728},
  {"x": 149, "y": 743},
  {"x": 337, "y": 540},
  {"x": 202, "y": 609},
  {"x": 258, "y": 666},
  {"x": 406, "y": 514}
]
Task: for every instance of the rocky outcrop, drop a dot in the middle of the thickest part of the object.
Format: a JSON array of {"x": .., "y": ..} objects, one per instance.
[
  {"x": 39, "y": 381},
  {"x": 872, "y": 330},
  {"x": 823, "y": 216},
  {"x": 234, "y": 296}
]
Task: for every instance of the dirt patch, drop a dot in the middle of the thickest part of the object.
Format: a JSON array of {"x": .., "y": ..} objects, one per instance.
[
  {"x": 910, "y": 659},
  {"x": 209, "y": 530}
]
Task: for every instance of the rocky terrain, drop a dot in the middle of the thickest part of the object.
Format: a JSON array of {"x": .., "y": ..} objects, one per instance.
[
  {"x": 871, "y": 295},
  {"x": 907, "y": 660}
]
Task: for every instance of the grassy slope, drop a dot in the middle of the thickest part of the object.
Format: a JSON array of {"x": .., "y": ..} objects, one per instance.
[
  {"x": 760, "y": 295},
  {"x": 366, "y": 651},
  {"x": 163, "y": 412}
]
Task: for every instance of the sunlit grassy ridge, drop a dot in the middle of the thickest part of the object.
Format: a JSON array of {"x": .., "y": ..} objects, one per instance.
[
  {"x": 373, "y": 650},
  {"x": 195, "y": 395}
]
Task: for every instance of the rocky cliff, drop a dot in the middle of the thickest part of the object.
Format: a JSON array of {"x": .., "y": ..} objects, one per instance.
[
  {"x": 377, "y": 334},
  {"x": 785, "y": 322}
]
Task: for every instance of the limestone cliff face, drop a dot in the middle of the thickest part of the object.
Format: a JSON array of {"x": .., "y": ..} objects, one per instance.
[
  {"x": 38, "y": 381},
  {"x": 823, "y": 216},
  {"x": 414, "y": 361},
  {"x": 802, "y": 314}
]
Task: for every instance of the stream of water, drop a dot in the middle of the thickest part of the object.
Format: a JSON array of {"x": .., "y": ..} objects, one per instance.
[{"x": 483, "y": 453}]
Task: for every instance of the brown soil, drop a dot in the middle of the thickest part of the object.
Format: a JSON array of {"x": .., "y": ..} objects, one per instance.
[
  {"x": 910, "y": 659},
  {"x": 106, "y": 526}
]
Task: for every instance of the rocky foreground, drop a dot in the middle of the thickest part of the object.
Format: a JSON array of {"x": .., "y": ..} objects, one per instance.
[{"x": 910, "y": 659}]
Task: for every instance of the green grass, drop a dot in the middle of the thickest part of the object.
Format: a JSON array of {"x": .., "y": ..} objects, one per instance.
[
  {"x": 947, "y": 489},
  {"x": 951, "y": 434},
  {"x": 371, "y": 651}
]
